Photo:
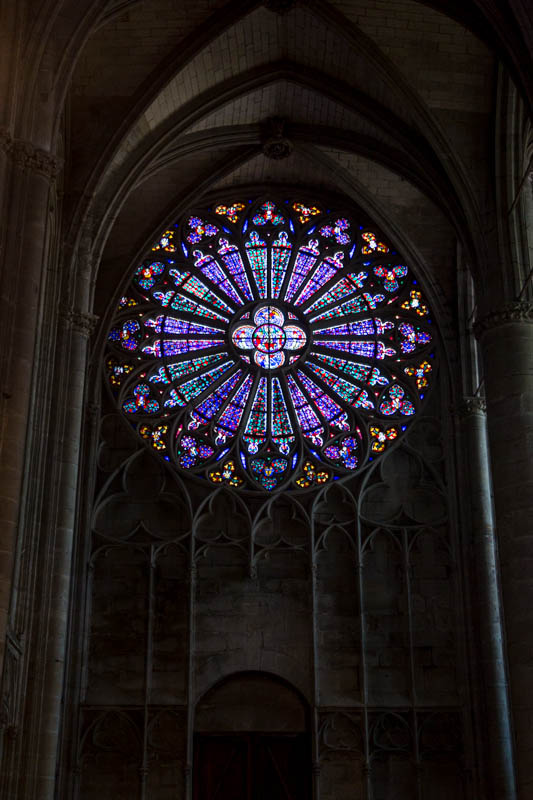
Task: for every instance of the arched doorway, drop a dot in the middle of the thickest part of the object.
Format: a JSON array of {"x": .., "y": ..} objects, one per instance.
[{"x": 252, "y": 741}]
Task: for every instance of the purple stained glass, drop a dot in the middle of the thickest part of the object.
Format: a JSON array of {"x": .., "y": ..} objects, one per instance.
[
  {"x": 281, "y": 253},
  {"x": 179, "y": 302},
  {"x": 231, "y": 257},
  {"x": 338, "y": 230},
  {"x": 212, "y": 270},
  {"x": 330, "y": 410},
  {"x": 306, "y": 259},
  {"x": 197, "y": 288},
  {"x": 257, "y": 252},
  {"x": 322, "y": 275},
  {"x": 255, "y": 431},
  {"x": 310, "y": 423},
  {"x": 200, "y": 229},
  {"x": 230, "y": 418}
]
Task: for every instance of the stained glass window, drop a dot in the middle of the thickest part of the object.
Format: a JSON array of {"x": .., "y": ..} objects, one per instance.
[{"x": 271, "y": 343}]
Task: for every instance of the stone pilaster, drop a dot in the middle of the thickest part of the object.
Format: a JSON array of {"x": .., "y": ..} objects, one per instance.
[
  {"x": 506, "y": 339},
  {"x": 77, "y": 327},
  {"x": 486, "y": 602},
  {"x": 27, "y": 177}
]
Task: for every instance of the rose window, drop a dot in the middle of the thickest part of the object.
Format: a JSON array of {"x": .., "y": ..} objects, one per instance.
[{"x": 268, "y": 344}]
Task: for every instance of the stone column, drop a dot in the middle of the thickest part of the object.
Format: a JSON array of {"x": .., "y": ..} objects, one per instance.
[
  {"x": 486, "y": 602},
  {"x": 49, "y": 673},
  {"x": 27, "y": 174},
  {"x": 506, "y": 338}
]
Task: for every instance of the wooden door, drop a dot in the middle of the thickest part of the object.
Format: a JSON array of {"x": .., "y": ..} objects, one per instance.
[{"x": 252, "y": 766}]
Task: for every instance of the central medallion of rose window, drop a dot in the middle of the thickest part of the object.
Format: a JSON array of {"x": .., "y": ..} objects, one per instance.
[{"x": 272, "y": 338}]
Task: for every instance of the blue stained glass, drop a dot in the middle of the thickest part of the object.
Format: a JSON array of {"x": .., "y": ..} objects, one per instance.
[
  {"x": 281, "y": 253},
  {"x": 280, "y": 423},
  {"x": 367, "y": 349},
  {"x": 363, "y": 373},
  {"x": 323, "y": 273},
  {"x": 171, "y": 347},
  {"x": 231, "y": 257},
  {"x": 343, "y": 288},
  {"x": 391, "y": 276},
  {"x": 255, "y": 431},
  {"x": 337, "y": 230},
  {"x": 200, "y": 229},
  {"x": 359, "y": 304},
  {"x": 343, "y": 388},
  {"x": 230, "y": 418},
  {"x": 128, "y": 336},
  {"x": 306, "y": 259},
  {"x": 180, "y": 327},
  {"x": 257, "y": 253},
  {"x": 194, "y": 286},
  {"x": 147, "y": 274},
  {"x": 178, "y": 302},
  {"x": 173, "y": 372},
  {"x": 242, "y": 337},
  {"x": 196, "y": 385},
  {"x": 268, "y": 214},
  {"x": 412, "y": 337},
  {"x": 211, "y": 404},
  {"x": 311, "y": 426},
  {"x": 363, "y": 327},
  {"x": 212, "y": 270},
  {"x": 395, "y": 401},
  {"x": 141, "y": 401},
  {"x": 330, "y": 410}
]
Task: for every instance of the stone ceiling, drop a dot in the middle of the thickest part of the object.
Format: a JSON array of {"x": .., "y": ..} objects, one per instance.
[{"x": 389, "y": 99}]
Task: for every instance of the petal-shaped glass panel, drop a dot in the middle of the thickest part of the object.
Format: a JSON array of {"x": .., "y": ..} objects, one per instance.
[
  {"x": 295, "y": 338},
  {"x": 242, "y": 337}
]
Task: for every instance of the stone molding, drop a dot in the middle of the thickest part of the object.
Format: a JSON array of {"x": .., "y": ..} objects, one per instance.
[
  {"x": 93, "y": 411},
  {"x": 469, "y": 406},
  {"x": 28, "y": 157},
  {"x": 275, "y": 144},
  {"x": 520, "y": 311},
  {"x": 80, "y": 321}
]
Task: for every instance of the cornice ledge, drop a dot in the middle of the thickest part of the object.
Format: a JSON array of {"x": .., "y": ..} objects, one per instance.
[
  {"x": 470, "y": 406},
  {"x": 520, "y": 311},
  {"x": 26, "y": 156}
]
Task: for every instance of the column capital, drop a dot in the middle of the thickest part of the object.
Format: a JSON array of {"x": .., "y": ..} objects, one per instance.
[
  {"x": 79, "y": 321},
  {"x": 470, "y": 406},
  {"x": 519, "y": 311},
  {"x": 28, "y": 157}
]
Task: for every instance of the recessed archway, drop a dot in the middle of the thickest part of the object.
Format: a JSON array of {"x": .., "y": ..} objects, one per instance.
[{"x": 252, "y": 741}]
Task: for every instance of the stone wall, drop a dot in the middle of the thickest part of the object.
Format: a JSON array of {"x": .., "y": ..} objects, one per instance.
[{"x": 349, "y": 595}]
